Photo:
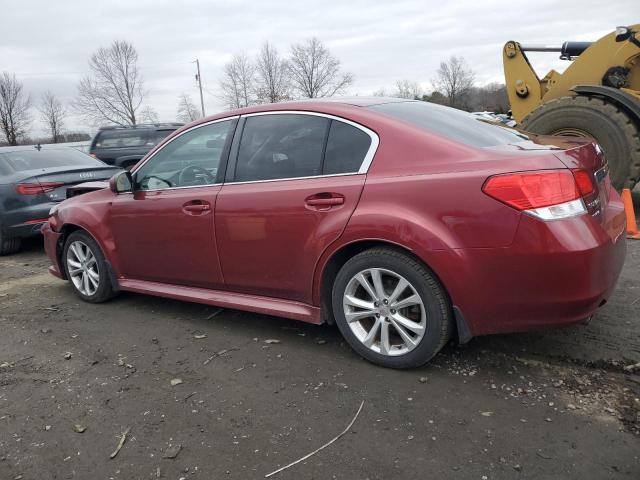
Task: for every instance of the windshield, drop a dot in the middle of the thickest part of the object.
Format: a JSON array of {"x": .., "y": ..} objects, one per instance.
[
  {"x": 455, "y": 124},
  {"x": 20, "y": 160}
]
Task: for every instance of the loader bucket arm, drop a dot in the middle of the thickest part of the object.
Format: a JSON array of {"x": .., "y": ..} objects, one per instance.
[
  {"x": 526, "y": 91},
  {"x": 523, "y": 85}
]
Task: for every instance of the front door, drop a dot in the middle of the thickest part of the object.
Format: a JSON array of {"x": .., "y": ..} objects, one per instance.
[
  {"x": 164, "y": 230},
  {"x": 296, "y": 181}
]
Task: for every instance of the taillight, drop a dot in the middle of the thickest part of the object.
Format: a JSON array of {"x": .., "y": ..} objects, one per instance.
[
  {"x": 546, "y": 194},
  {"x": 583, "y": 181},
  {"x": 37, "y": 188}
]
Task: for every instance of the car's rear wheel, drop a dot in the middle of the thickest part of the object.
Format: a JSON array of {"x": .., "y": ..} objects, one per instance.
[
  {"x": 9, "y": 245},
  {"x": 391, "y": 308},
  {"x": 86, "y": 268}
]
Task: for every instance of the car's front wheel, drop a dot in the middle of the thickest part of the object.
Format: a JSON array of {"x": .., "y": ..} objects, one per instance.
[
  {"x": 391, "y": 309},
  {"x": 86, "y": 268}
]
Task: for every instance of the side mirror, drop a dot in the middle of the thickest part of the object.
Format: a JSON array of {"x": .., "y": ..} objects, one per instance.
[{"x": 121, "y": 182}]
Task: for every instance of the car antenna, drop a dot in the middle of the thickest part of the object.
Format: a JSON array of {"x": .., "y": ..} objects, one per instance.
[{"x": 38, "y": 147}]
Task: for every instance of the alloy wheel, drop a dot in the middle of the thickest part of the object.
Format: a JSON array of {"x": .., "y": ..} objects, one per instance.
[
  {"x": 82, "y": 266},
  {"x": 384, "y": 311}
]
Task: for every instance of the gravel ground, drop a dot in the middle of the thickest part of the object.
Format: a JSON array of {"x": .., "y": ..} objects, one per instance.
[{"x": 206, "y": 388}]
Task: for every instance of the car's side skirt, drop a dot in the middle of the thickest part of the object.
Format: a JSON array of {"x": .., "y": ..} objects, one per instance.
[{"x": 240, "y": 301}]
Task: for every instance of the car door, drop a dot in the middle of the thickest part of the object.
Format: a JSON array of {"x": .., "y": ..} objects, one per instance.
[
  {"x": 294, "y": 181},
  {"x": 164, "y": 230}
]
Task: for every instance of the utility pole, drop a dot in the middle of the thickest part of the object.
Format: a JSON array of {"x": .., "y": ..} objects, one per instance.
[{"x": 199, "y": 80}]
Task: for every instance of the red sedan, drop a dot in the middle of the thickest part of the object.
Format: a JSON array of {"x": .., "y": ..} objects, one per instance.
[{"x": 401, "y": 221}]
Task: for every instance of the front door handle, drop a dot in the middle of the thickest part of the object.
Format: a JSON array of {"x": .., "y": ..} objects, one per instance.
[
  {"x": 196, "y": 207},
  {"x": 324, "y": 200}
]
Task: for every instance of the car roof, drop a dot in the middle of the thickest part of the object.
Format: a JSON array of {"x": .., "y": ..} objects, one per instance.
[
  {"x": 327, "y": 105},
  {"x": 23, "y": 148},
  {"x": 143, "y": 126}
]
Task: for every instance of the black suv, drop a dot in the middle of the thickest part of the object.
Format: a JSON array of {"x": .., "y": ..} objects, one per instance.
[{"x": 125, "y": 146}]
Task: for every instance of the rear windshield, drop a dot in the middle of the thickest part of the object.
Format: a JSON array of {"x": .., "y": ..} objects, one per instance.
[
  {"x": 21, "y": 160},
  {"x": 123, "y": 138},
  {"x": 455, "y": 124}
]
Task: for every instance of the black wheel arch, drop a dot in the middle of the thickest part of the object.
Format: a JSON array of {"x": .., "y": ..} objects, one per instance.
[{"x": 344, "y": 253}]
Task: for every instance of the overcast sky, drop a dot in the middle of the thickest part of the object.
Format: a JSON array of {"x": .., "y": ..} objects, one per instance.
[{"x": 47, "y": 44}]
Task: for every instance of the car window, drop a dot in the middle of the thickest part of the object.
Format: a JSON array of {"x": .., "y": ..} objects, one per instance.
[
  {"x": 281, "y": 146},
  {"x": 156, "y": 136},
  {"x": 122, "y": 138},
  {"x": 21, "y": 160},
  {"x": 188, "y": 160},
  {"x": 346, "y": 148},
  {"x": 455, "y": 124}
]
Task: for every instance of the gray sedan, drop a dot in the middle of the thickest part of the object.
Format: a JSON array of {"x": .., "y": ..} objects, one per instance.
[{"x": 34, "y": 179}]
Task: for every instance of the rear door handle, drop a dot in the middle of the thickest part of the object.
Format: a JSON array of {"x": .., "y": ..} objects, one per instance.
[
  {"x": 196, "y": 207},
  {"x": 324, "y": 200}
]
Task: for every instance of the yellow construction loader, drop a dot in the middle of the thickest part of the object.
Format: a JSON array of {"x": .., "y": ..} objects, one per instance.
[{"x": 598, "y": 96}]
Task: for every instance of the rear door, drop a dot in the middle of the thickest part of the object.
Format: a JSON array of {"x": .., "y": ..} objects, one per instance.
[
  {"x": 293, "y": 182},
  {"x": 164, "y": 230}
]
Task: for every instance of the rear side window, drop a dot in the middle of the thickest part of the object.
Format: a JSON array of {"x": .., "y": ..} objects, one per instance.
[
  {"x": 281, "y": 146},
  {"x": 123, "y": 138},
  {"x": 21, "y": 160},
  {"x": 347, "y": 146},
  {"x": 455, "y": 124}
]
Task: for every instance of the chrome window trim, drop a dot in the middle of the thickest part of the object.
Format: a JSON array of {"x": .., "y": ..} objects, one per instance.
[
  {"x": 139, "y": 166},
  {"x": 364, "y": 166},
  {"x": 172, "y": 188},
  {"x": 289, "y": 179}
]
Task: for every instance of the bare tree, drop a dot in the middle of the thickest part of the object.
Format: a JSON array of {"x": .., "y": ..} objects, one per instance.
[
  {"x": 112, "y": 92},
  {"x": 238, "y": 83},
  {"x": 381, "y": 92},
  {"x": 272, "y": 76},
  {"x": 408, "y": 89},
  {"x": 315, "y": 72},
  {"x": 52, "y": 114},
  {"x": 148, "y": 114},
  {"x": 454, "y": 79},
  {"x": 14, "y": 108},
  {"x": 492, "y": 97},
  {"x": 187, "y": 110}
]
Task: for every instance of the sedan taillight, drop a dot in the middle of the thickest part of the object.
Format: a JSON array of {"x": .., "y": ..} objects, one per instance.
[
  {"x": 546, "y": 194},
  {"x": 37, "y": 188}
]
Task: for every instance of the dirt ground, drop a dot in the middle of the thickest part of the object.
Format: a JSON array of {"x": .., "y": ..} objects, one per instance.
[{"x": 74, "y": 377}]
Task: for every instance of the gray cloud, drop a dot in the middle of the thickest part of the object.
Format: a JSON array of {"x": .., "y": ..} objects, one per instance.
[{"x": 47, "y": 44}]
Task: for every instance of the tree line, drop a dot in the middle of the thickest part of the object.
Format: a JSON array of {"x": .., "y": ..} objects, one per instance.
[{"x": 113, "y": 90}]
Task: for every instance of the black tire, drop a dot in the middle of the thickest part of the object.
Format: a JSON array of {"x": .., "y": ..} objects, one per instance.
[
  {"x": 105, "y": 289},
  {"x": 436, "y": 305},
  {"x": 9, "y": 245},
  {"x": 612, "y": 128}
]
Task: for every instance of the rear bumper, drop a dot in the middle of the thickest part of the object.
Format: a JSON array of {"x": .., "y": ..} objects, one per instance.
[
  {"x": 52, "y": 249},
  {"x": 555, "y": 273},
  {"x": 27, "y": 221}
]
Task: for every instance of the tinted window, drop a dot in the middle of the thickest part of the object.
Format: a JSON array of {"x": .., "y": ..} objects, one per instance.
[
  {"x": 346, "y": 148},
  {"x": 281, "y": 146},
  {"x": 122, "y": 138},
  {"x": 21, "y": 160},
  {"x": 188, "y": 160},
  {"x": 455, "y": 124},
  {"x": 156, "y": 136}
]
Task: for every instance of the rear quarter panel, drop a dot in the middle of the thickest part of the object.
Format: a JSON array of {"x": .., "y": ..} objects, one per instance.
[{"x": 424, "y": 193}]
